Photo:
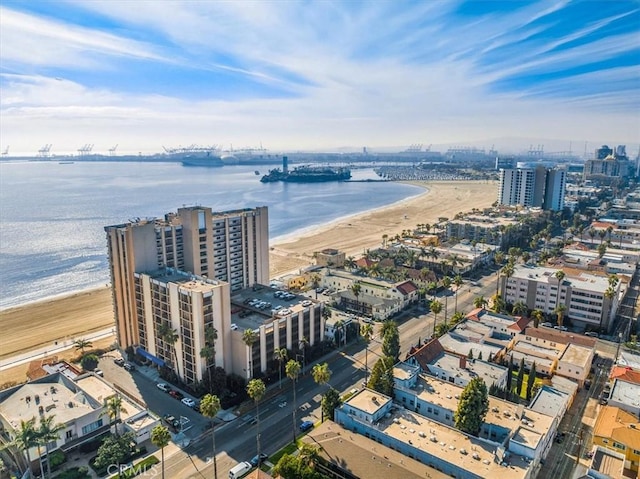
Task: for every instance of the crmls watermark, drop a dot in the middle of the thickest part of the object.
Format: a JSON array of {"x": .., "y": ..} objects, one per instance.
[{"x": 140, "y": 470}]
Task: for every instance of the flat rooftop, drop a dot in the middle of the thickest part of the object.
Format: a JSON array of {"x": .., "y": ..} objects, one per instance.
[
  {"x": 605, "y": 462},
  {"x": 450, "y": 445},
  {"x": 578, "y": 279},
  {"x": 404, "y": 371},
  {"x": 577, "y": 355},
  {"x": 501, "y": 413},
  {"x": 549, "y": 401},
  {"x": 625, "y": 393},
  {"x": 488, "y": 371},
  {"x": 141, "y": 421},
  {"x": 55, "y": 399},
  {"x": 522, "y": 345},
  {"x": 183, "y": 279},
  {"x": 246, "y": 316},
  {"x": 368, "y": 400},
  {"x": 364, "y": 457}
]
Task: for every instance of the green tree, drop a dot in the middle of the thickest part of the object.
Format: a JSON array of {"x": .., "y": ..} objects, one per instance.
[
  {"x": 356, "y": 288},
  {"x": 249, "y": 338},
  {"x": 472, "y": 407},
  {"x": 479, "y": 302},
  {"x": 391, "y": 340},
  {"x": 82, "y": 344},
  {"x": 560, "y": 309},
  {"x": 169, "y": 337},
  {"x": 537, "y": 316},
  {"x": 26, "y": 437},
  {"x": 366, "y": 331},
  {"x": 331, "y": 400},
  {"x": 48, "y": 432},
  {"x": 458, "y": 281},
  {"x": 114, "y": 410},
  {"x": 520, "y": 377},
  {"x": 89, "y": 362},
  {"x": 115, "y": 450},
  {"x": 208, "y": 351},
  {"x": 321, "y": 373},
  {"x": 520, "y": 309},
  {"x": 531, "y": 380},
  {"x": 256, "y": 390},
  {"x": 209, "y": 407},
  {"x": 436, "y": 308},
  {"x": 160, "y": 438},
  {"x": 381, "y": 378},
  {"x": 292, "y": 369},
  {"x": 280, "y": 355}
]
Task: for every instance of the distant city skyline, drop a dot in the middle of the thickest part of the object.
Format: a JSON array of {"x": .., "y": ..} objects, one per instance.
[{"x": 318, "y": 75}]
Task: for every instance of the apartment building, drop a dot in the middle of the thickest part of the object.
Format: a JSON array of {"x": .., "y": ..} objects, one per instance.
[
  {"x": 618, "y": 430},
  {"x": 533, "y": 187},
  {"x": 582, "y": 293},
  {"x": 79, "y": 405},
  {"x": 188, "y": 304},
  {"x": 231, "y": 246},
  {"x": 524, "y": 436}
]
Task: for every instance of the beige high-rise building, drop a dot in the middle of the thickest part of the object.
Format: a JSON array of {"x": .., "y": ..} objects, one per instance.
[
  {"x": 189, "y": 305},
  {"x": 231, "y": 246}
]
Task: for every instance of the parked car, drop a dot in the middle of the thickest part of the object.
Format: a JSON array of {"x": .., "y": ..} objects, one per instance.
[
  {"x": 591, "y": 334},
  {"x": 561, "y": 328},
  {"x": 163, "y": 387},
  {"x": 98, "y": 372},
  {"x": 176, "y": 394},
  {"x": 170, "y": 420},
  {"x": 306, "y": 425},
  {"x": 119, "y": 361},
  {"x": 129, "y": 367},
  {"x": 256, "y": 459},
  {"x": 188, "y": 402}
]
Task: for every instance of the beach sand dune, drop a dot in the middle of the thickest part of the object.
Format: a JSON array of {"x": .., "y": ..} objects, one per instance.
[{"x": 39, "y": 324}]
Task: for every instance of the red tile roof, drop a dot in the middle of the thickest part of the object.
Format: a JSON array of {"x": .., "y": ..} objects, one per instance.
[
  {"x": 626, "y": 374},
  {"x": 407, "y": 287}
]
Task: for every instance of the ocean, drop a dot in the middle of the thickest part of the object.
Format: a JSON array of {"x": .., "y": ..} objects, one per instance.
[{"x": 52, "y": 215}]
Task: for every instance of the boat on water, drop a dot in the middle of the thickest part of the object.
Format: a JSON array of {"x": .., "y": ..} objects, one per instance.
[
  {"x": 257, "y": 172},
  {"x": 307, "y": 174},
  {"x": 66, "y": 162},
  {"x": 204, "y": 161}
]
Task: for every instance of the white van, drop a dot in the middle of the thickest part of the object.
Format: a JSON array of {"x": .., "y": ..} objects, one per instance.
[{"x": 239, "y": 470}]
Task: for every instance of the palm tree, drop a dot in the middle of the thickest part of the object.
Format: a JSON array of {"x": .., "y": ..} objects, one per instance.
[
  {"x": 560, "y": 309},
  {"x": 249, "y": 338},
  {"x": 315, "y": 282},
  {"x": 321, "y": 375},
  {"x": 355, "y": 289},
  {"x": 293, "y": 370},
  {"x": 609, "y": 294},
  {"x": 208, "y": 352},
  {"x": 256, "y": 390},
  {"x": 446, "y": 284},
  {"x": 479, "y": 302},
  {"x": 82, "y": 344},
  {"x": 520, "y": 309},
  {"x": 339, "y": 326},
  {"x": 47, "y": 433},
  {"x": 366, "y": 331},
  {"x": 160, "y": 437},
  {"x": 537, "y": 316},
  {"x": 114, "y": 409},
  {"x": 507, "y": 271},
  {"x": 436, "y": 307},
  {"x": 458, "y": 282},
  {"x": 302, "y": 345},
  {"x": 170, "y": 337},
  {"x": 209, "y": 407},
  {"x": 280, "y": 355},
  {"x": 25, "y": 438},
  {"x": 560, "y": 277}
]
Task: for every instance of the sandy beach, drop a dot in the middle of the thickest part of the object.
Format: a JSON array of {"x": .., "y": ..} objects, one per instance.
[{"x": 39, "y": 324}]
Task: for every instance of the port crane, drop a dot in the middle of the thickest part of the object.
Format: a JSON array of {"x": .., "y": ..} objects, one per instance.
[
  {"x": 112, "y": 151},
  {"x": 85, "y": 150},
  {"x": 44, "y": 151}
]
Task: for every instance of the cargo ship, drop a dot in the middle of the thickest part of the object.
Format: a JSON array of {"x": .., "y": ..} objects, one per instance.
[{"x": 306, "y": 174}]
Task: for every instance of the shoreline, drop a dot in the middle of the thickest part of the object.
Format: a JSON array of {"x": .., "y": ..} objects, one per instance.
[{"x": 67, "y": 316}]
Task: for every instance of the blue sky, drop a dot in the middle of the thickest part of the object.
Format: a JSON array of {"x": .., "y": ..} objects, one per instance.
[{"x": 317, "y": 74}]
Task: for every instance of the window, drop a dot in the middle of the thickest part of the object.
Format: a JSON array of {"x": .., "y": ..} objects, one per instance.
[
  {"x": 617, "y": 445},
  {"x": 69, "y": 434},
  {"x": 91, "y": 427}
]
